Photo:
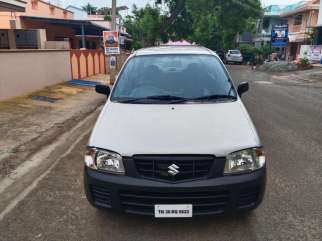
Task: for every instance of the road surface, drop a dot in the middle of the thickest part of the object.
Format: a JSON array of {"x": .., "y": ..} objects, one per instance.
[{"x": 288, "y": 117}]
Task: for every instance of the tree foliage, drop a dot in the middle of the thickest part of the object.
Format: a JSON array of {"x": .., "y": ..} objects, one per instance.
[
  {"x": 90, "y": 9},
  {"x": 223, "y": 19},
  {"x": 249, "y": 52},
  {"x": 104, "y": 11},
  {"x": 144, "y": 26},
  {"x": 107, "y": 12},
  {"x": 211, "y": 23}
]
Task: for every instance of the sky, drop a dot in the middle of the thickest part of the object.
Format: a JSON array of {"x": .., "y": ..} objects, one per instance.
[
  {"x": 102, "y": 3},
  {"x": 141, "y": 3},
  {"x": 278, "y": 2}
]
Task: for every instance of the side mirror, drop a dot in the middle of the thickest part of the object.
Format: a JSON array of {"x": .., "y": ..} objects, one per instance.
[
  {"x": 103, "y": 89},
  {"x": 242, "y": 88}
]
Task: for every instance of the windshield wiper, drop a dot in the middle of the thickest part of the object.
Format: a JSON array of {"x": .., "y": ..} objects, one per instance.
[
  {"x": 165, "y": 97},
  {"x": 154, "y": 97},
  {"x": 214, "y": 97},
  {"x": 176, "y": 99}
]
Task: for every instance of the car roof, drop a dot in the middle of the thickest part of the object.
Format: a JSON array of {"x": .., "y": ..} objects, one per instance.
[{"x": 174, "y": 50}]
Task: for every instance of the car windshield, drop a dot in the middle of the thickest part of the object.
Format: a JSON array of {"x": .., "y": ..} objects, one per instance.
[
  {"x": 234, "y": 51},
  {"x": 175, "y": 78}
]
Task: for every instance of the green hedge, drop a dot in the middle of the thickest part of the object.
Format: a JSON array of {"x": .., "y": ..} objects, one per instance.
[
  {"x": 252, "y": 54},
  {"x": 249, "y": 52}
]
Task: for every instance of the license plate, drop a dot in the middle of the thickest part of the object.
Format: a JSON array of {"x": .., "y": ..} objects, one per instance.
[{"x": 173, "y": 211}]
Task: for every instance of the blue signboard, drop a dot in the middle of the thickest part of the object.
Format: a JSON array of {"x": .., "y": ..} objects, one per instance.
[{"x": 280, "y": 35}]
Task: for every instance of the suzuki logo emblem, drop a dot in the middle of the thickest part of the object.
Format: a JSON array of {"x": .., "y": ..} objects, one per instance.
[{"x": 173, "y": 170}]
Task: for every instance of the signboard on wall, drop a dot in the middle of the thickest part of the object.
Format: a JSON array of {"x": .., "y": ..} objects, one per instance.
[
  {"x": 280, "y": 35},
  {"x": 122, "y": 40},
  {"x": 111, "y": 42},
  {"x": 113, "y": 62},
  {"x": 311, "y": 52}
]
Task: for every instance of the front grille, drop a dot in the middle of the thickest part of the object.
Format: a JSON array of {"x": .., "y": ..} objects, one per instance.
[
  {"x": 210, "y": 202},
  {"x": 188, "y": 167},
  {"x": 101, "y": 196},
  {"x": 248, "y": 197}
]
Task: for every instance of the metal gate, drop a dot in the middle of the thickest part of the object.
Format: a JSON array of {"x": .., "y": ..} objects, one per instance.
[
  {"x": 4, "y": 40},
  {"x": 26, "y": 39}
]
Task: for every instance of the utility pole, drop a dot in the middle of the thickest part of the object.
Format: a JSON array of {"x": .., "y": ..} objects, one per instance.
[
  {"x": 114, "y": 15},
  {"x": 113, "y": 70}
]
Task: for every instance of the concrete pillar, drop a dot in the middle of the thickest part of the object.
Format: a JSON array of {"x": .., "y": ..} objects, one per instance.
[
  {"x": 13, "y": 23},
  {"x": 12, "y": 39},
  {"x": 41, "y": 38}
]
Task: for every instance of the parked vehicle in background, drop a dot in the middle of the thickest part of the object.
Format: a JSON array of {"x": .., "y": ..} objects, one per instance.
[
  {"x": 234, "y": 56},
  {"x": 174, "y": 139}
]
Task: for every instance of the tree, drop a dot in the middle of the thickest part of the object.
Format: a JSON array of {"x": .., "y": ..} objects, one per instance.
[
  {"x": 176, "y": 7},
  {"x": 216, "y": 22},
  {"x": 90, "y": 9},
  {"x": 265, "y": 51},
  {"x": 177, "y": 21},
  {"x": 144, "y": 26},
  {"x": 249, "y": 52},
  {"x": 104, "y": 11},
  {"x": 107, "y": 12},
  {"x": 211, "y": 23}
]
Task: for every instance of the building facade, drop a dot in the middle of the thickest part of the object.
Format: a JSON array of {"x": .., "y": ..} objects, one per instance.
[
  {"x": 301, "y": 21},
  {"x": 12, "y": 5},
  {"x": 35, "y": 8},
  {"x": 264, "y": 26},
  {"x": 44, "y": 25},
  {"x": 79, "y": 14}
]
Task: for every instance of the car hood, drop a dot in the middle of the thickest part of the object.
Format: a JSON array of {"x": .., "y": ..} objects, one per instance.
[{"x": 217, "y": 128}]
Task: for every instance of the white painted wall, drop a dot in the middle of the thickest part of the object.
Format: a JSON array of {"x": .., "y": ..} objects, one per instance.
[
  {"x": 25, "y": 71},
  {"x": 79, "y": 14}
]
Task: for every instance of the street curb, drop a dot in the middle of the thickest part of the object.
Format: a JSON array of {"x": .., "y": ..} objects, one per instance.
[
  {"x": 24, "y": 151},
  {"x": 16, "y": 187}
]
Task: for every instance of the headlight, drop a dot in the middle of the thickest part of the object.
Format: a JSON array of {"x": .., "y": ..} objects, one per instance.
[
  {"x": 246, "y": 160},
  {"x": 104, "y": 161}
]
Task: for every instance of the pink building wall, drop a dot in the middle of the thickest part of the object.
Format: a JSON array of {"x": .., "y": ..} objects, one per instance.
[{"x": 35, "y": 8}]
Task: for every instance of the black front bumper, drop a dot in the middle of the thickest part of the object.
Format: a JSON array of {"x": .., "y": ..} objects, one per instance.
[{"x": 208, "y": 197}]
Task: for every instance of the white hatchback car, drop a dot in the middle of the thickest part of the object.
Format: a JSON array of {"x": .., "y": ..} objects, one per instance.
[
  {"x": 234, "y": 56},
  {"x": 174, "y": 139}
]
